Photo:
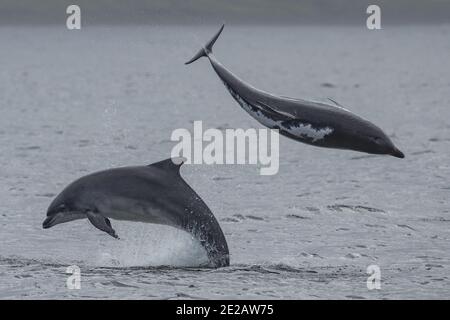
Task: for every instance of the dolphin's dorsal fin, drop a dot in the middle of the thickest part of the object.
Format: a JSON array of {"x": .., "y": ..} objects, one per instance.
[
  {"x": 169, "y": 165},
  {"x": 336, "y": 103}
]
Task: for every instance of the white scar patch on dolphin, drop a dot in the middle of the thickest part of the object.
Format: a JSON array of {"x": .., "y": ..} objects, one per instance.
[
  {"x": 309, "y": 131},
  {"x": 299, "y": 129}
]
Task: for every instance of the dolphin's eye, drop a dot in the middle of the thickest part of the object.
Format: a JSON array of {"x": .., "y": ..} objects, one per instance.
[
  {"x": 377, "y": 140},
  {"x": 380, "y": 141}
]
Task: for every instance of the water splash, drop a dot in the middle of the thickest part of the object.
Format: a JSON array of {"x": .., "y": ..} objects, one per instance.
[{"x": 144, "y": 244}]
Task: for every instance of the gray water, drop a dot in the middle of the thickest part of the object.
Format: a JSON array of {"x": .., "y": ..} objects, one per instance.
[{"x": 74, "y": 102}]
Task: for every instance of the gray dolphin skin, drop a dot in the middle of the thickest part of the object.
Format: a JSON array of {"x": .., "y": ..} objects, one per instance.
[
  {"x": 154, "y": 194},
  {"x": 320, "y": 124}
]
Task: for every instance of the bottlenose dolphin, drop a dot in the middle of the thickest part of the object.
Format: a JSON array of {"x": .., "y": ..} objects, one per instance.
[
  {"x": 320, "y": 124},
  {"x": 154, "y": 194}
]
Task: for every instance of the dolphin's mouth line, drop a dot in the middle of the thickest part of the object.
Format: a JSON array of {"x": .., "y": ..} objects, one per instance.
[
  {"x": 61, "y": 217},
  {"x": 398, "y": 154},
  {"x": 49, "y": 222}
]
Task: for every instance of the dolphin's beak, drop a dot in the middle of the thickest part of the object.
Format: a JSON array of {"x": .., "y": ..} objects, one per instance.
[
  {"x": 397, "y": 153},
  {"x": 48, "y": 222}
]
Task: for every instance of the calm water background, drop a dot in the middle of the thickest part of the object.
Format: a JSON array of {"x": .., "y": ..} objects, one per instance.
[{"x": 77, "y": 102}]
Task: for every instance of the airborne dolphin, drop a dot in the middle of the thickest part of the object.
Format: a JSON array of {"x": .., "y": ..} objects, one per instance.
[
  {"x": 154, "y": 194},
  {"x": 316, "y": 123}
]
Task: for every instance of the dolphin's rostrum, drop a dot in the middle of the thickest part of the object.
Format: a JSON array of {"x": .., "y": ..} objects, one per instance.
[
  {"x": 154, "y": 194},
  {"x": 323, "y": 124}
]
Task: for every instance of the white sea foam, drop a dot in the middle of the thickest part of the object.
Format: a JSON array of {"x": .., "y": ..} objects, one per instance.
[{"x": 144, "y": 244}]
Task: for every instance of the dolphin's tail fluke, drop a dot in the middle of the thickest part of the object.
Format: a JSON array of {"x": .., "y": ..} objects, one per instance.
[{"x": 207, "y": 49}]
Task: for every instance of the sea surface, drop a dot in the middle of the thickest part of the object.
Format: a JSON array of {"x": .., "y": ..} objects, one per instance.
[{"x": 74, "y": 102}]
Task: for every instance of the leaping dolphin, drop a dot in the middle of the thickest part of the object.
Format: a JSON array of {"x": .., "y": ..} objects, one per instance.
[
  {"x": 316, "y": 123},
  {"x": 154, "y": 194}
]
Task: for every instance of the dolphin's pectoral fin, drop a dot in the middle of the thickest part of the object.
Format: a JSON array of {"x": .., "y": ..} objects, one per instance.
[{"x": 101, "y": 223}]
